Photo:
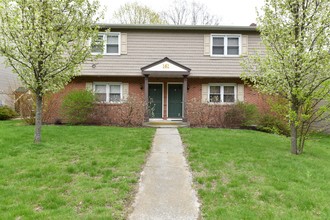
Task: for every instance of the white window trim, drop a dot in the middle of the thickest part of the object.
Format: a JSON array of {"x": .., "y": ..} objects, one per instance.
[
  {"x": 222, "y": 93},
  {"x": 105, "y": 34},
  {"x": 107, "y": 90},
  {"x": 225, "y": 36}
]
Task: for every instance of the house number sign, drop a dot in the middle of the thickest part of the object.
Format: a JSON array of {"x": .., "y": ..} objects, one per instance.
[{"x": 166, "y": 66}]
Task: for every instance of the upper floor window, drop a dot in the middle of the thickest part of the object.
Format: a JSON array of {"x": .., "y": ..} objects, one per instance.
[
  {"x": 222, "y": 93},
  {"x": 108, "y": 92},
  {"x": 107, "y": 43},
  {"x": 225, "y": 45}
]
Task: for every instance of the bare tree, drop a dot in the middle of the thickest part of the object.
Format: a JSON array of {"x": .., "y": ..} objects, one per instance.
[
  {"x": 134, "y": 13},
  {"x": 194, "y": 13},
  {"x": 200, "y": 15}
]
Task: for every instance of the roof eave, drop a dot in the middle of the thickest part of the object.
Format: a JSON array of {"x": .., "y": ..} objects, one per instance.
[{"x": 179, "y": 27}]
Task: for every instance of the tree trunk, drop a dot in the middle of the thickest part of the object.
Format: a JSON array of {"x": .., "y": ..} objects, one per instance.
[
  {"x": 38, "y": 119},
  {"x": 294, "y": 139},
  {"x": 293, "y": 126}
]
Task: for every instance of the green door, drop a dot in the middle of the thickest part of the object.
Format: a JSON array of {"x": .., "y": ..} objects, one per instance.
[
  {"x": 155, "y": 100},
  {"x": 175, "y": 100}
]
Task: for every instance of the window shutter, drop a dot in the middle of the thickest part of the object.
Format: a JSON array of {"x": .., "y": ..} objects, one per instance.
[
  {"x": 205, "y": 93},
  {"x": 89, "y": 86},
  {"x": 125, "y": 91},
  {"x": 207, "y": 44},
  {"x": 245, "y": 45},
  {"x": 123, "y": 43},
  {"x": 240, "y": 92}
]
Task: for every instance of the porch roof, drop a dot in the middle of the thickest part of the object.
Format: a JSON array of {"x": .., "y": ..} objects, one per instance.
[{"x": 165, "y": 68}]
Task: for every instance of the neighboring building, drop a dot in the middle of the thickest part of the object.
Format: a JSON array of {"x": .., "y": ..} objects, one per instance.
[
  {"x": 8, "y": 84},
  {"x": 170, "y": 65}
]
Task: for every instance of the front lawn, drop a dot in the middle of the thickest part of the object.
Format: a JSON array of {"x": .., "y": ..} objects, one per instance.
[
  {"x": 252, "y": 175},
  {"x": 77, "y": 172}
]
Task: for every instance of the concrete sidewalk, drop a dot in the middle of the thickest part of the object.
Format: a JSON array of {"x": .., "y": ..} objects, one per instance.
[{"x": 165, "y": 190}]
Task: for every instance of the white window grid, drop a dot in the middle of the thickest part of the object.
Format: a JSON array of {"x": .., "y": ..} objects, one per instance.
[
  {"x": 105, "y": 43},
  {"x": 226, "y": 36},
  {"x": 107, "y": 90},
  {"x": 222, "y": 92}
]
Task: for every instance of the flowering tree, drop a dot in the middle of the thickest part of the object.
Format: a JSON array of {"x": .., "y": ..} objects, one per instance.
[
  {"x": 296, "y": 64},
  {"x": 44, "y": 41}
]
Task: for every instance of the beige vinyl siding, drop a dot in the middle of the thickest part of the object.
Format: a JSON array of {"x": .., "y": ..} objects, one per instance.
[
  {"x": 255, "y": 44},
  {"x": 8, "y": 84},
  {"x": 186, "y": 48}
]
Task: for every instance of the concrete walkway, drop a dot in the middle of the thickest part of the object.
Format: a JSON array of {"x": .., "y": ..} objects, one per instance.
[{"x": 165, "y": 191}]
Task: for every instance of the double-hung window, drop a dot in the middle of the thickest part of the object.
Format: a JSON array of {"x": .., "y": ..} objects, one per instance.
[
  {"x": 222, "y": 93},
  {"x": 97, "y": 46},
  {"x": 108, "y": 92},
  {"x": 112, "y": 43},
  {"x": 225, "y": 45},
  {"x": 107, "y": 44}
]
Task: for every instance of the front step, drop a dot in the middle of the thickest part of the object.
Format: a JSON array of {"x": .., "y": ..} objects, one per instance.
[{"x": 166, "y": 124}]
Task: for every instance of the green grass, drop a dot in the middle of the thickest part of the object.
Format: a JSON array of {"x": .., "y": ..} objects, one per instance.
[
  {"x": 243, "y": 174},
  {"x": 77, "y": 172}
]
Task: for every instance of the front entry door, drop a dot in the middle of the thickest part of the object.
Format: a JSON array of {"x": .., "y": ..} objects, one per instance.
[
  {"x": 174, "y": 100},
  {"x": 155, "y": 100}
]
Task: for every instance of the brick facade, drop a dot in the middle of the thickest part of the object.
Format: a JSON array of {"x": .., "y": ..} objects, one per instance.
[{"x": 112, "y": 113}]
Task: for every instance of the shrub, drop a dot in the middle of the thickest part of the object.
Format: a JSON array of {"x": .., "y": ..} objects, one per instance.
[
  {"x": 26, "y": 106},
  {"x": 131, "y": 112},
  {"x": 102, "y": 114},
  {"x": 273, "y": 124},
  {"x": 241, "y": 114},
  {"x": 7, "y": 113},
  {"x": 205, "y": 115},
  {"x": 77, "y": 106}
]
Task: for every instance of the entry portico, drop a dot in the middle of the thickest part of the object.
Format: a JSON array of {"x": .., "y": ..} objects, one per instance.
[{"x": 172, "y": 103}]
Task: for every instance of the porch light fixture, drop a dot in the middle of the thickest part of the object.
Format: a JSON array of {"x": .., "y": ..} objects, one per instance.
[{"x": 141, "y": 86}]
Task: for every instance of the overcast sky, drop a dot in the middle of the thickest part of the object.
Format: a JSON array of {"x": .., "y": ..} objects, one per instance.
[{"x": 232, "y": 12}]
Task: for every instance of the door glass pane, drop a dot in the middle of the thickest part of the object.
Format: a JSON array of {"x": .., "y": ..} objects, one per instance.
[{"x": 218, "y": 50}]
